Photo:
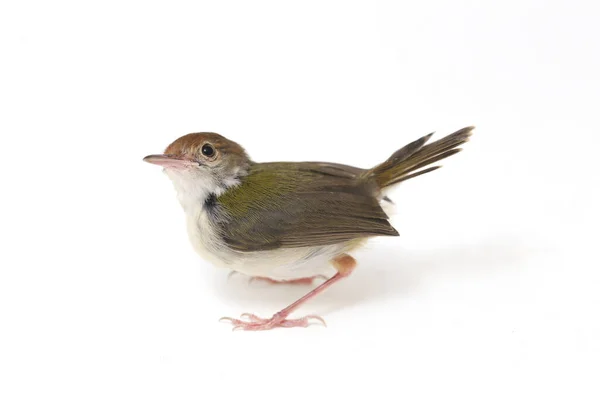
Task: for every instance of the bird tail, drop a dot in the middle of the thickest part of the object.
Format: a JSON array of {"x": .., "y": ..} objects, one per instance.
[{"x": 410, "y": 160}]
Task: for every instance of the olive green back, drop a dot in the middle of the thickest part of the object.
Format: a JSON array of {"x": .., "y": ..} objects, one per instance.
[{"x": 282, "y": 205}]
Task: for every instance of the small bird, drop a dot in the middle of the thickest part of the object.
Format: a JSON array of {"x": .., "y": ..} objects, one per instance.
[{"x": 288, "y": 222}]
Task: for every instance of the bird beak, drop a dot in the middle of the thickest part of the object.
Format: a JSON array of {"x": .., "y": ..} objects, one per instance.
[{"x": 169, "y": 161}]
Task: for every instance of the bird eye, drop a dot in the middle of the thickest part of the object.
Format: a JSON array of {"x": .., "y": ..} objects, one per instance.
[{"x": 208, "y": 150}]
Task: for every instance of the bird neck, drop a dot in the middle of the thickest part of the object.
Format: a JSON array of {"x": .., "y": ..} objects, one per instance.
[{"x": 193, "y": 192}]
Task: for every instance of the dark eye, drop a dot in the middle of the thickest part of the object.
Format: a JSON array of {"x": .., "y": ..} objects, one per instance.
[{"x": 208, "y": 150}]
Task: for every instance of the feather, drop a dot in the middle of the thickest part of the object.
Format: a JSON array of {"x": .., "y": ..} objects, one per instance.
[{"x": 300, "y": 205}]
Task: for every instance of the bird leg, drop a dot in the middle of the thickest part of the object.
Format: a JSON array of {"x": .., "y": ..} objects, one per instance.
[{"x": 344, "y": 264}]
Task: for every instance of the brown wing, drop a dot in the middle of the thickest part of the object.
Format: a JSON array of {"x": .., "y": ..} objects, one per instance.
[{"x": 300, "y": 205}]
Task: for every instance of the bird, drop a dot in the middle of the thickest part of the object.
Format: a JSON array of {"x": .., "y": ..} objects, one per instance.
[{"x": 288, "y": 222}]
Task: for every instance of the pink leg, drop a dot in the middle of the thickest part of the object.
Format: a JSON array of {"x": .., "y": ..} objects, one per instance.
[{"x": 344, "y": 265}]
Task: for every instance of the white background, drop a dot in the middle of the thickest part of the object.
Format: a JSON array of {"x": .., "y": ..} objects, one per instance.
[{"x": 492, "y": 290}]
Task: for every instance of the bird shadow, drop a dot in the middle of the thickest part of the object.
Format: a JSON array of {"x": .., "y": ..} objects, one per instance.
[{"x": 389, "y": 273}]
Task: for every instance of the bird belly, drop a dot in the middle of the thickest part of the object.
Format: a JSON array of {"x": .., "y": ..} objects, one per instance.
[
  {"x": 287, "y": 264},
  {"x": 277, "y": 264}
]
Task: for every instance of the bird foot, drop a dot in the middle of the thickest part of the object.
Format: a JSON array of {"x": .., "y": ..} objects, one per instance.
[
  {"x": 300, "y": 281},
  {"x": 278, "y": 320}
]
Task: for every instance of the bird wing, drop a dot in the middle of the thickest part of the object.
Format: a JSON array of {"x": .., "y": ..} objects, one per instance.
[{"x": 282, "y": 205}]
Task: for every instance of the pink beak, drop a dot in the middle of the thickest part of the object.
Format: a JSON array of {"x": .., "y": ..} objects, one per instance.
[{"x": 168, "y": 161}]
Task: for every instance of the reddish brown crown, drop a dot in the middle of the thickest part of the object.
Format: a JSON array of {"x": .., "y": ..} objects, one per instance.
[{"x": 191, "y": 143}]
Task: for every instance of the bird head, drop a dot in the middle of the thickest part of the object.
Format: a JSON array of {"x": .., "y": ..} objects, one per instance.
[{"x": 202, "y": 164}]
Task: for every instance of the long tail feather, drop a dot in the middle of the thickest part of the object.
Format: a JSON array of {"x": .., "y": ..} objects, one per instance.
[{"x": 408, "y": 162}]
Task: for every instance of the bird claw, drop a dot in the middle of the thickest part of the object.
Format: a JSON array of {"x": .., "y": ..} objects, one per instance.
[
  {"x": 253, "y": 318},
  {"x": 255, "y": 323}
]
